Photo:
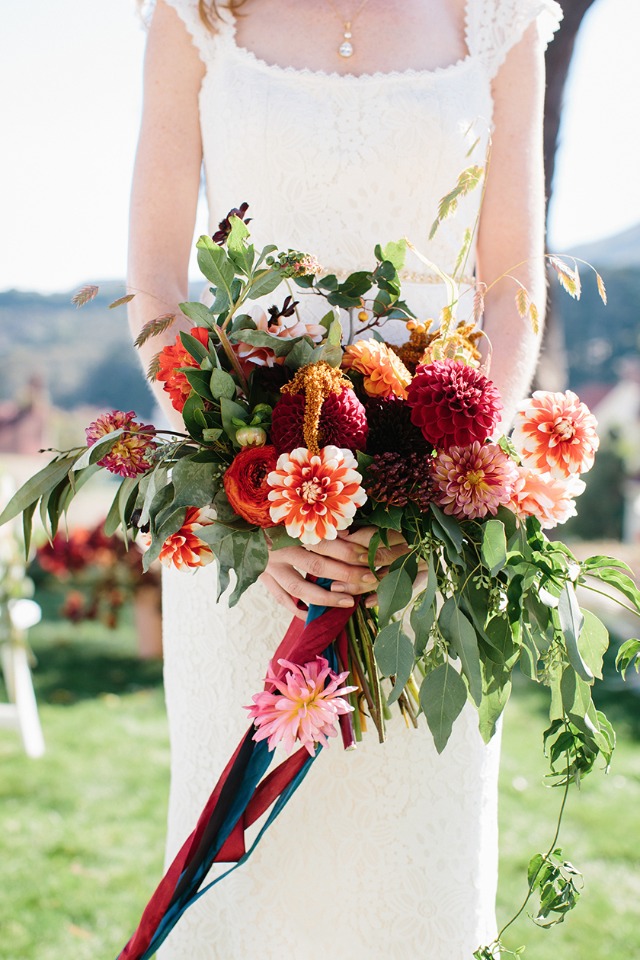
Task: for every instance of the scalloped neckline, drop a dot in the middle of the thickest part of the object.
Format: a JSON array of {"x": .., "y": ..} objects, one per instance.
[{"x": 410, "y": 72}]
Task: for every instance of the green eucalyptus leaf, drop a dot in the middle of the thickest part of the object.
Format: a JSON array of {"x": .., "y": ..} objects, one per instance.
[
  {"x": 264, "y": 282},
  {"x": 215, "y": 265},
  {"x": 222, "y": 384},
  {"x": 393, "y": 651},
  {"x": 628, "y": 655},
  {"x": 279, "y": 346},
  {"x": 279, "y": 538},
  {"x": 460, "y": 634},
  {"x": 301, "y": 354},
  {"x": 423, "y": 613},
  {"x": 27, "y": 526},
  {"x": 197, "y": 312},
  {"x": 394, "y": 593},
  {"x": 98, "y": 450},
  {"x": 494, "y": 546},
  {"x": 443, "y": 694},
  {"x": 496, "y": 689},
  {"x": 195, "y": 483},
  {"x": 199, "y": 381},
  {"x": 571, "y": 621},
  {"x": 193, "y": 347},
  {"x": 46, "y": 479},
  {"x": 594, "y": 641}
]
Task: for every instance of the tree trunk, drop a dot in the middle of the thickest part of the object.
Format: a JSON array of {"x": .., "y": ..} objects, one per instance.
[{"x": 552, "y": 369}]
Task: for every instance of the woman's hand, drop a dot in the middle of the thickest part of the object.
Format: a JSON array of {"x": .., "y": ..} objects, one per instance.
[
  {"x": 344, "y": 561},
  {"x": 384, "y": 556}
]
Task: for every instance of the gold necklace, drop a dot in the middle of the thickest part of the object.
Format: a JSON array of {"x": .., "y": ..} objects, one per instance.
[{"x": 346, "y": 47}]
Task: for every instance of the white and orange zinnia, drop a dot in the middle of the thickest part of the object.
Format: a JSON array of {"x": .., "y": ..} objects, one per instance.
[
  {"x": 304, "y": 707},
  {"x": 384, "y": 373},
  {"x": 550, "y": 499},
  {"x": 185, "y": 549},
  {"x": 314, "y": 496},
  {"x": 556, "y": 433}
]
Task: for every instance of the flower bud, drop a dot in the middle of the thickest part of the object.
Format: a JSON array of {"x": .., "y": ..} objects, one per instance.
[{"x": 251, "y": 437}]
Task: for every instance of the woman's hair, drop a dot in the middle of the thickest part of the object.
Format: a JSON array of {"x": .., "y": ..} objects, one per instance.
[{"x": 208, "y": 10}]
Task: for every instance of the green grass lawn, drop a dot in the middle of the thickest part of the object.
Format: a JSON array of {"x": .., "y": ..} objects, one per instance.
[{"x": 81, "y": 830}]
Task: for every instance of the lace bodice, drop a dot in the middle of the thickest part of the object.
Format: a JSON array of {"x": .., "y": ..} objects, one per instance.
[{"x": 332, "y": 164}]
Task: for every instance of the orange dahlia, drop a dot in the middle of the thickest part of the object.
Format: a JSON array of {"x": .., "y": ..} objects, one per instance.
[
  {"x": 314, "y": 496},
  {"x": 384, "y": 372},
  {"x": 184, "y": 548},
  {"x": 170, "y": 359},
  {"x": 556, "y": 433}
]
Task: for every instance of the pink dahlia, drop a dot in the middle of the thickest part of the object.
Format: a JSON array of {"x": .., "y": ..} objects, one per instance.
[
  {"x": 548, "y": 498},
  {"x": 132, "y": 452},
  {"x": 305, "y": 706},
  {"x": 314, "y": 496},
  {"x": 556, "y": 433},
  {"x": 184, "y": 548},
  {"x": 453, "y": 404},
  {"x": 473, "y": 481},
  {"x": 343, "y": 422}
]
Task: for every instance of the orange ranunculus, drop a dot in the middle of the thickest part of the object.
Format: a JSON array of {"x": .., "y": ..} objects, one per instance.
[
  {"x": 384, "y": 372},
  {"x": 245, "y": 484},
  {"x": 174, "y": 356}
]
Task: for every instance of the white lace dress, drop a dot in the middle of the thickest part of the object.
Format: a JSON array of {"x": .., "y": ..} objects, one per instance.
[{"x": 388, "y": 851}]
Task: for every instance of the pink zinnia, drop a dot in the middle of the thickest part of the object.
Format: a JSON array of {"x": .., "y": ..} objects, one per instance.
[
  {"x": 131, "y": 453},
  {"x": 548, "y": 498},
  {"x": 304, "y": 708},
  {"x": 453, "y": 404},
  {"x": 314, "y": 496},
  {"x": 474, "y": 481},
  {"x": 556, "y": 433},
  {"x": 185, "y": 549}
]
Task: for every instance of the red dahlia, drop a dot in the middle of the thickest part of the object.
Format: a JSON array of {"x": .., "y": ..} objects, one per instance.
[
  {"x": 343, "y": 422},
  {"x": 453, "y": 404}
]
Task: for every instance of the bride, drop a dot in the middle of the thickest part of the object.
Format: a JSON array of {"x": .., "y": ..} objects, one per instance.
[{"x": 342, "y": 123}]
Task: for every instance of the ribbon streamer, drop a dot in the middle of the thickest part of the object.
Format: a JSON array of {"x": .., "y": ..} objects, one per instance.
[{"x": 242, "y": 795}]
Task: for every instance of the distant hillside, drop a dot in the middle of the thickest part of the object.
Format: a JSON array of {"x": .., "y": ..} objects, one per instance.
[{"x": 620, "y": 250}]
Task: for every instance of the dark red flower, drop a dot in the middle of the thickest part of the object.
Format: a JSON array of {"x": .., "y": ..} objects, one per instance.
[
  {"x": 343, "y": 422},
  {"x": 453, "y": 404},
  {"x": 397, "y": 479},
  {"x": 224, "y": 227},
  {"x": 390, "y": 427}
]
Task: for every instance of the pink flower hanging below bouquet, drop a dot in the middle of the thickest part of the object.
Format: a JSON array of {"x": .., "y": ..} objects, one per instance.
[
  {"x": 304, "y": 708},
  {"x": 315, "y": 496},
  {"x": 131, "y": 453},
  {"x": 474, "y": 481},
  {"x": 556, "y": 433}
]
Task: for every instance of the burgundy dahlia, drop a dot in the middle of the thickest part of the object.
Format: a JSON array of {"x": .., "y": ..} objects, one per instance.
[
  {"x": 396, "y": 480},
  {"x": 390, "y": 427},
  {"x": 343, "y": 422},
  {"x": 453, "y": 404}
]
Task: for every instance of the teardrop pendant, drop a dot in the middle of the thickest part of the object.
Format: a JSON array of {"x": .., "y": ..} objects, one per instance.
[{"x": 346, "y": 47}]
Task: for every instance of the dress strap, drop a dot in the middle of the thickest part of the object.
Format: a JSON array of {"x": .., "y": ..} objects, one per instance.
[
  {"x": 203, "y": 37},
  {"x": 494, "y": 26}
]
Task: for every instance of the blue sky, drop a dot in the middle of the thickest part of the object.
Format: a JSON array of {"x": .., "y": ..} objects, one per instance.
[{"x": 73, "y": 68}]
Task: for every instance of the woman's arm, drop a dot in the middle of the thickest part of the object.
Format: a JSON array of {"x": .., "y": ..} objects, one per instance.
[
  {"x": 166, "y": 181},
  {"x": 512, "y": 219}
]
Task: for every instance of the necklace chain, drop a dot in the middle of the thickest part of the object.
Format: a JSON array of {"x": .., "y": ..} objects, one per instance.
[{"x": 346, "y": 47}]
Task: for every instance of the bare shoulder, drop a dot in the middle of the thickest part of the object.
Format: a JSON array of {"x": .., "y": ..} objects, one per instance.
[{"x": 169, "y": 41}]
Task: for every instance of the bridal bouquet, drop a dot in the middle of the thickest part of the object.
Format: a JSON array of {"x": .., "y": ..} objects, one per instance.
[{"x": 291, "y": 437}]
